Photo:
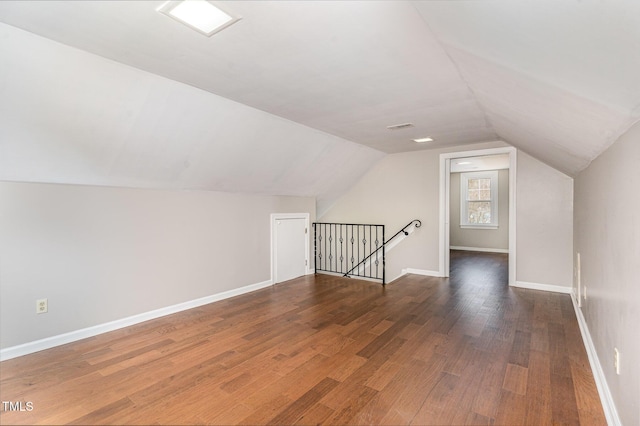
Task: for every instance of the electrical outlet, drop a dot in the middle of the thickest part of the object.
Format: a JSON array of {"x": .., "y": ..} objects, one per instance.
[
  {"x": 42, "y": 306},
  {"x": 616, "y": 360}
]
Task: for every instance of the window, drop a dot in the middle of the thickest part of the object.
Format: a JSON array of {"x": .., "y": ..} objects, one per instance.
[{"x": 479, "y": 200}]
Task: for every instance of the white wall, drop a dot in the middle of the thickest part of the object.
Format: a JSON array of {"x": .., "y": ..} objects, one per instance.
[
  {"x": 400, "y": 188},
  {"x": 607, "y": 236},
  {"x": 405, "y": 186},
  {"x": 544, "y": 209},
  {"x": 480, "y": 238},
  {"x": 101, "y": 254}
]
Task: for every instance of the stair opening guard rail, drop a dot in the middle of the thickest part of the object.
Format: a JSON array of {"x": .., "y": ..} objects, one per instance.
[{"x": 353, "y": 250}]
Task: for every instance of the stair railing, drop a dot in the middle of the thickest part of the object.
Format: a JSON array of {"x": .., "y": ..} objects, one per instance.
[
  {"x": 415, "y": 222},
  {"x": 356, "y": 250}
]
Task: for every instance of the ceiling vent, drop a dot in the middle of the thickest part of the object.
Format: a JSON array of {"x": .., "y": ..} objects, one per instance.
[{"x": 400, "y": 126}]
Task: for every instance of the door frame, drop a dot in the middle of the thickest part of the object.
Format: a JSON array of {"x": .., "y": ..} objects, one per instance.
[
  {"x": 274, "y": 241},
  {"x": 445, "y": 196}
]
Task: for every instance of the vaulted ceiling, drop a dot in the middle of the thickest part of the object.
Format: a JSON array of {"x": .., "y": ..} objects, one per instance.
[{"x": 559, "y": 79}]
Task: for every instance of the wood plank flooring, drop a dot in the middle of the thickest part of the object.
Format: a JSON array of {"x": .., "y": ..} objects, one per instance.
[{"x": 422, "y": 351}]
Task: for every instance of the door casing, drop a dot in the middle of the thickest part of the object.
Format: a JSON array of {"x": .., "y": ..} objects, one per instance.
[{"x": 445, "y": 175}]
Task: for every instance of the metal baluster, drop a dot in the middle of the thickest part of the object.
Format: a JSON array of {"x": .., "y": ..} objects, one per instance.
[
  {"x": 370, "y": 251},
  {"x": 358, "y": 246},
  {"x": 384, "y": 277},
  {"x": 341, "y": 254},
  {"x": 352, "y": 248}
]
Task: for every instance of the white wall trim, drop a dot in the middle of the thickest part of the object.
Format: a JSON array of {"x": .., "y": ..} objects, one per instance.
[
  {"x": 544, "y": 287},
  {"x": 482, "y": 249},
  {"x": 609, "y": 407},
  {"x": 73, "y": 336},
  {"x": 424, "y": 272},
  {"x": 444, "y": 238}
]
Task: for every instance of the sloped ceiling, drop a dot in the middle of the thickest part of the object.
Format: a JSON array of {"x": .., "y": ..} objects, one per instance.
[
  {"x": 559, "y": 79},
  {"x": 295, "y": 98},
  {"x": 70, "y": 117}
]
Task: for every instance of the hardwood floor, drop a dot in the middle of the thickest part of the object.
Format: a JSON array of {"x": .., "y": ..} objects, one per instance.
[{"x": 469, "y": 350}]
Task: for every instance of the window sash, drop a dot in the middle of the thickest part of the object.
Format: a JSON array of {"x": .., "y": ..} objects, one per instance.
[{"x": 479, "y": 199}]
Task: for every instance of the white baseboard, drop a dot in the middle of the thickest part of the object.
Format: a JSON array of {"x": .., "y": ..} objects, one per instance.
[
  {"x": 421, "y": 272},
  {"x": 73, "y": 336},
  {"x": 544, "y": 287},
  {"x": 417, "y": 272},
  {"x": 488, "y": 250},
  {"x": 606, "y": 399}
]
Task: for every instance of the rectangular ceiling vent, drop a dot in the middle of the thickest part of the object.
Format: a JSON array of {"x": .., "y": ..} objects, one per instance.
[{"x": 400, "y": 126}]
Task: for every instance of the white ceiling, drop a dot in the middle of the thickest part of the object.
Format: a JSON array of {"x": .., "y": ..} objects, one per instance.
[{"x": 559, "y": 79}]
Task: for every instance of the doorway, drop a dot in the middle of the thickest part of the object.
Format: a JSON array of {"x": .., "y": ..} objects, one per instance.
[
  {"x": 290, "y": 246},
  {"x": 481, "y": 271},
  {"x": 445, "y": 203}
]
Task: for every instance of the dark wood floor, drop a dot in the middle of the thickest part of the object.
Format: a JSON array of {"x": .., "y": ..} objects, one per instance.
[{"x": 329, "y": 350}]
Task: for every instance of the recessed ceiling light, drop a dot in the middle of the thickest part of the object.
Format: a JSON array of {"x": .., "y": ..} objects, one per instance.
[
  {"x": 463, "y": 163},
  {"x": 200, "y": 15},
  {"x": 423, "y": 140}
]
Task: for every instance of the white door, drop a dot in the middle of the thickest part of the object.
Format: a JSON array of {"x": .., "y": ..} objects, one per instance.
[{"x": 290, "y": 261}]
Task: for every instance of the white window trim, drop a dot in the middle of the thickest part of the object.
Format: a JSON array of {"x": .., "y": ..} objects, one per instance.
[{"x": 464, "y": 179}]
